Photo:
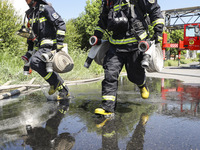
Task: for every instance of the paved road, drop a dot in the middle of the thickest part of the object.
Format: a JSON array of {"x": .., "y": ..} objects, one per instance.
[{"x": 189, "y": 74}]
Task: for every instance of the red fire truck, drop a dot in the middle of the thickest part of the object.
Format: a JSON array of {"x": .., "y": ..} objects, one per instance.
[
  {"x": 192, "y": 36},
  {"x": 187, "y": 19},
  {"x": 191, "y": 39}
]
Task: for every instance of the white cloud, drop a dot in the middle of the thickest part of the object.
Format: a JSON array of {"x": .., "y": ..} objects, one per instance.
[{"x": 20, "y": 6}]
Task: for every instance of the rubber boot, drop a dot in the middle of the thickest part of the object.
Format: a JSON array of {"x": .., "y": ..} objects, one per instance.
[
  {"x": 144, "y": 91},
  {"x": 52, "y": 90},
  {"x": 101, "y": 111},
  {"x": 63, "y": 93}
]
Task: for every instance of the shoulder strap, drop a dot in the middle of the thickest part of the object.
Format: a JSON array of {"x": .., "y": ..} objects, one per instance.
[
  {"x": 141, "y": 13},
  {"x": 120, "y": 2},
  {"x": 107, "y": 3}
]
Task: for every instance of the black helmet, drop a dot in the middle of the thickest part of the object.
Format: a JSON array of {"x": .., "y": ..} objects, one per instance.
[
  {"x": 31, "y": 3},
  {"x": 40, "y": 1}
]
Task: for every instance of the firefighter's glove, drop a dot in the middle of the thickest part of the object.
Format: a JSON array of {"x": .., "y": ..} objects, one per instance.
[
  {"x": 94, "y": 40},
  {"x": 27, "y": 57},
  {"x": 157, "y": 37}
]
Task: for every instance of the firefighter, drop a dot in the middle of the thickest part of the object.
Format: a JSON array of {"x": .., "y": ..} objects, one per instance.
[
  {"x": 126, "y": 20},
  {"x": 48, "y": 32}
]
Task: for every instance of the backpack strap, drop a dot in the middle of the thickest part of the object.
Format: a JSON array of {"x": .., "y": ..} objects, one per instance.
[
  {"x": 135, "y": 2},
  {"x": 120, "y": 3},
  {"x": 107, "y": 4},
  {"x": 133, "y": 15}
]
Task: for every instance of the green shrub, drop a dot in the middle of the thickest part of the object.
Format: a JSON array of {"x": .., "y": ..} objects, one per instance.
[
  {"x": 185, "y": 61},
  {"x": 182, "y": 57}
]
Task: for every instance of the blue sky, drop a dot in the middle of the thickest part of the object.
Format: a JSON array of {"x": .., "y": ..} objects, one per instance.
[{"x": 72, "y": 8}]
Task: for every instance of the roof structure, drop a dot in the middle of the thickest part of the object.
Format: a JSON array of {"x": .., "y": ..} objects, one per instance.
[{"x": 176, "y": 18}]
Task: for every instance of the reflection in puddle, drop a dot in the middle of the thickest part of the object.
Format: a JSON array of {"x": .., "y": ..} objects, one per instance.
[
  {"x": 187, "y": 99},
  {"x": 47, "y": 137},
  {"x": 33, "y": 123}
]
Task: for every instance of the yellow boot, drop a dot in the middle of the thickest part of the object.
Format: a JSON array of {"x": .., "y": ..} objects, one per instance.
[
  {"x": 63, "y": 94},
  {"x": 101, "y": 111},
  {"x": 52, "y": 90},
  {"x": 144, "y": 92}
]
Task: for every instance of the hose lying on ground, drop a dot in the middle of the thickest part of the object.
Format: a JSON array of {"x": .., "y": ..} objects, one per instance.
[{"x": 24, "y": 87}]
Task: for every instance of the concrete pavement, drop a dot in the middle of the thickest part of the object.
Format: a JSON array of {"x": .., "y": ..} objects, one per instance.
[{"x": 188, "y": 73}]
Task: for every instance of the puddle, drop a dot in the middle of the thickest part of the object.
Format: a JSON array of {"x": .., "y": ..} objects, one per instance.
[{"x": 169, "y": 119}]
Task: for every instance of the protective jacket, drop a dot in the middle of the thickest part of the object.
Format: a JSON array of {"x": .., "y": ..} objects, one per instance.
[
  {"x": 47, "y": 25},
  {"x": 127, "y": 40},
  {"x": 49, "y": 30}
]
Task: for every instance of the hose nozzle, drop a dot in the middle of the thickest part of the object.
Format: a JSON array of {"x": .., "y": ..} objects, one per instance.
[
  {"x": 94, "y": 41},
  {"x": 143, "y": 46}
]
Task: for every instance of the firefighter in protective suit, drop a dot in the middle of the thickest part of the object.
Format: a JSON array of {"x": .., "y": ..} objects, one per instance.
[
  {"x": 126, "y": 20},
  {"x": 49, "y": 32}
]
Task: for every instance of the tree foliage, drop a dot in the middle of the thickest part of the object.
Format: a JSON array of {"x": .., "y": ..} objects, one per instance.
[
  {"x": 87, "y": 21},
  {"x": 72, "y": 37},
  {"x": 9, "y": 24},
  {"x": 174, "y": 37}
]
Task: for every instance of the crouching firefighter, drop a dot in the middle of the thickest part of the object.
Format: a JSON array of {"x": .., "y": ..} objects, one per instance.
[
  {"x": 126, "y": 20},
  {"x": 45, "y": 32}
]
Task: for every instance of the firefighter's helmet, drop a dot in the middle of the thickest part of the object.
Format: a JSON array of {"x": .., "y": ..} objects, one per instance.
[{"x": 40, "y": 1}]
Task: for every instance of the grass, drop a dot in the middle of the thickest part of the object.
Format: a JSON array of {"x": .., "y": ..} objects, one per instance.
[{"x": 182, "y": 61}]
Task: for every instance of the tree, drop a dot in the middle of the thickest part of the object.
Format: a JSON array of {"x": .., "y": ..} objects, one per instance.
[
  {"x": 175, "y": 36},
  {"x": 9, "y": 24},
  {"x": 72, "y": 37},
  {"x": 87, "y": 21}
]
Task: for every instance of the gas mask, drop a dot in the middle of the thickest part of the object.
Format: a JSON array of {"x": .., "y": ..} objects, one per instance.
[
  {"x": 31, "y": 3},
  {"x": 27, "y": 32}
]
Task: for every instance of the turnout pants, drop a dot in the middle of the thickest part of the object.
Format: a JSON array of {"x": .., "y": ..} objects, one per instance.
[
  {"x": 113, "y": 64},
  {"x": 39, "y": 66}
]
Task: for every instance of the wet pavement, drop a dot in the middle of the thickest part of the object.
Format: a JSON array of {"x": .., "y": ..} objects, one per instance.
[
  {"x": 188, "y": 73},
  {"x": 168, "y": 120}
]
